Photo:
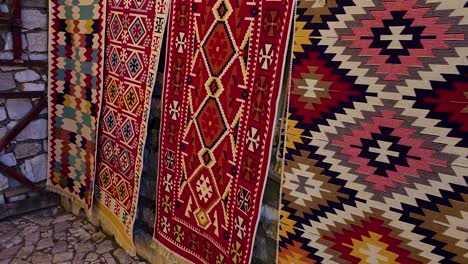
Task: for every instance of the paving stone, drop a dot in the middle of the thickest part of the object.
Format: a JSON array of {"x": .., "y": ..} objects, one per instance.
[
  {"x": 62, "y": 257},
  {"x": 14, "y": 241},
  {"x": 90, "y": 228},
  {"x": 105, "y": 247},
  {"x": 9, "y": 252},
  {"x": 28, "y": 230},
  {"x": 27, "y": 76},
  {"x": 62, "y": 226},
  {"x": 41, "y": 258},
  {"x": 63, "y": 218},
  {"x": 47, "y": 234},
  {"x": 98, "y": 236},
  {"x": 19, "y": 261},
  {"x": 60, "y": 247},
  {"x": 84, "y": 247},
  {"x": 60, "y": 236},
  {"x": 79, "y": 257},
  {"x": 45, "y": 243},
  {"x": 109, "y": 258},
  {"x": 25, "y": 252},
  {"x": 7, "y": 237},
  {"x": 121, "y": 256},
  {"x": 17, "y": 108},
  {"x": 92, "y": 256},
  {"x": 32, "y": 239},
  {"x": 80, "y": 233}
]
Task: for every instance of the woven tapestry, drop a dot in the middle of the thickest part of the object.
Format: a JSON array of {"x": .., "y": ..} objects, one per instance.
[
  {"x": 76, "y": 49},
  {"x": 225, "y": 65},
  {"x": 377, "y": 138},
  {"x": 133, "y": 44}
]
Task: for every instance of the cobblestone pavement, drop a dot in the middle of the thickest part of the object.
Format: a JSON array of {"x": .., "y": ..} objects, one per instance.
[{"x": 54, "y": 236}]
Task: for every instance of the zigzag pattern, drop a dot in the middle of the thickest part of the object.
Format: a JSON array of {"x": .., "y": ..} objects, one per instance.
[
  {"x": 375, "y": 146},
  {"x": 75, "y": 83}
]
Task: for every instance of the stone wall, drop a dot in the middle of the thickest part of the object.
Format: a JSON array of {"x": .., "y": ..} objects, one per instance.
[{"x": 28, "y": 152}]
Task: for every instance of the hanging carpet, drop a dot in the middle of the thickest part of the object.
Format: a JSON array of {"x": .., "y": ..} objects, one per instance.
[
  {"x": 225, "y": 65},
  {"x": 133, "y": 44},
  {"x": 76, "y": 49},
  {"x": 377, "y": 134}
]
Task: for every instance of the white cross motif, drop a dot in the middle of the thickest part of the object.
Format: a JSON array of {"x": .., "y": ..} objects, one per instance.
[
  {"x": 384, "y": 151},
  {"x": 396, "y": 37}
]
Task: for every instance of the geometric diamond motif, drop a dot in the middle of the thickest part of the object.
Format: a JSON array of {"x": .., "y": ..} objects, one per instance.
[
  {"x": 124, "y": 162},
  {"x": 122, "y": 191},
  {"x": 112, "y": 92},
  {"x": 127, "y": 130},
  {"x": 388, "y": 154},
  {"x": 114, "y": 59},
  {"x": 109, "y": 121},
  {"x": 137, "y": 30},
  {"x": 105, "y": 179},
  {"x": 218, "y": 49},
  {"x": 115, "y": 27},
  {"x": 131, "y": 98},
  {"x": 108, "y": 150},
  {"x": 369, "y": 241},
  {"x": 377, "y": 118},
  {"x": 210, "y": 123},
  {"x": 396, "y": 39},
  {"x": 134, "y": 65}
]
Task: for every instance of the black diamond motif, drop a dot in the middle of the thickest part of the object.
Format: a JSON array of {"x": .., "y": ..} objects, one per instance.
[
  {"x": 385, "y": 38},
  {"x": 398, "y": 153}
]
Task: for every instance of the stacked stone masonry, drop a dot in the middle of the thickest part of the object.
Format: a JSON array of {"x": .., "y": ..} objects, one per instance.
[{"x": 28, "y": 152}]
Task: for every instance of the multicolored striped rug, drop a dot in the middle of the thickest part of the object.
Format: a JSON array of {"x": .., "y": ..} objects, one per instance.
[
  {"x": 224, "y": 70},
  {"x": 377, "y": 136},
  {"x": 133, "y": 44},
  {"x": 76, "y": 41}
]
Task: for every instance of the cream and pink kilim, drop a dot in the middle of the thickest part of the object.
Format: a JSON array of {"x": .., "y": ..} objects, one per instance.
[
  {"x": 377, "y": 134},
  {"x": 224, "y": 71}
]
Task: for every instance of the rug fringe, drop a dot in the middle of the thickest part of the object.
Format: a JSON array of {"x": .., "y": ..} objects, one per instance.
[
  {"x": 162, "y": 255},
  {"x": 74, "y": 205},
  {"x": 112, "y": 226}
]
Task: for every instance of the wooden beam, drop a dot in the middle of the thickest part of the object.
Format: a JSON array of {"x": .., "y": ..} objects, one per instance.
[
  {"x": 21, "y": 63},
  {"x": 10, "y": 135},
  {"x": 8, "y": 171},
  {"x": 16, "y": 30},
  {"x": 29, "y": 94}
]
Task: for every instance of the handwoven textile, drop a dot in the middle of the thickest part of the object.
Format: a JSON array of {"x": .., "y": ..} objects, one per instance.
[
  {"x": 133, "y": 44},
  {"x": 225, "y": 62},
  {"x": 76, "y": 49},
  {"x": 377, "y": 137}
]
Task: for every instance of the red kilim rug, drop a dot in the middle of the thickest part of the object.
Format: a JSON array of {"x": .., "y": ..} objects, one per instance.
[
  {"x": 133, "y": 41},
  {"x": 224, "y": 70}
]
